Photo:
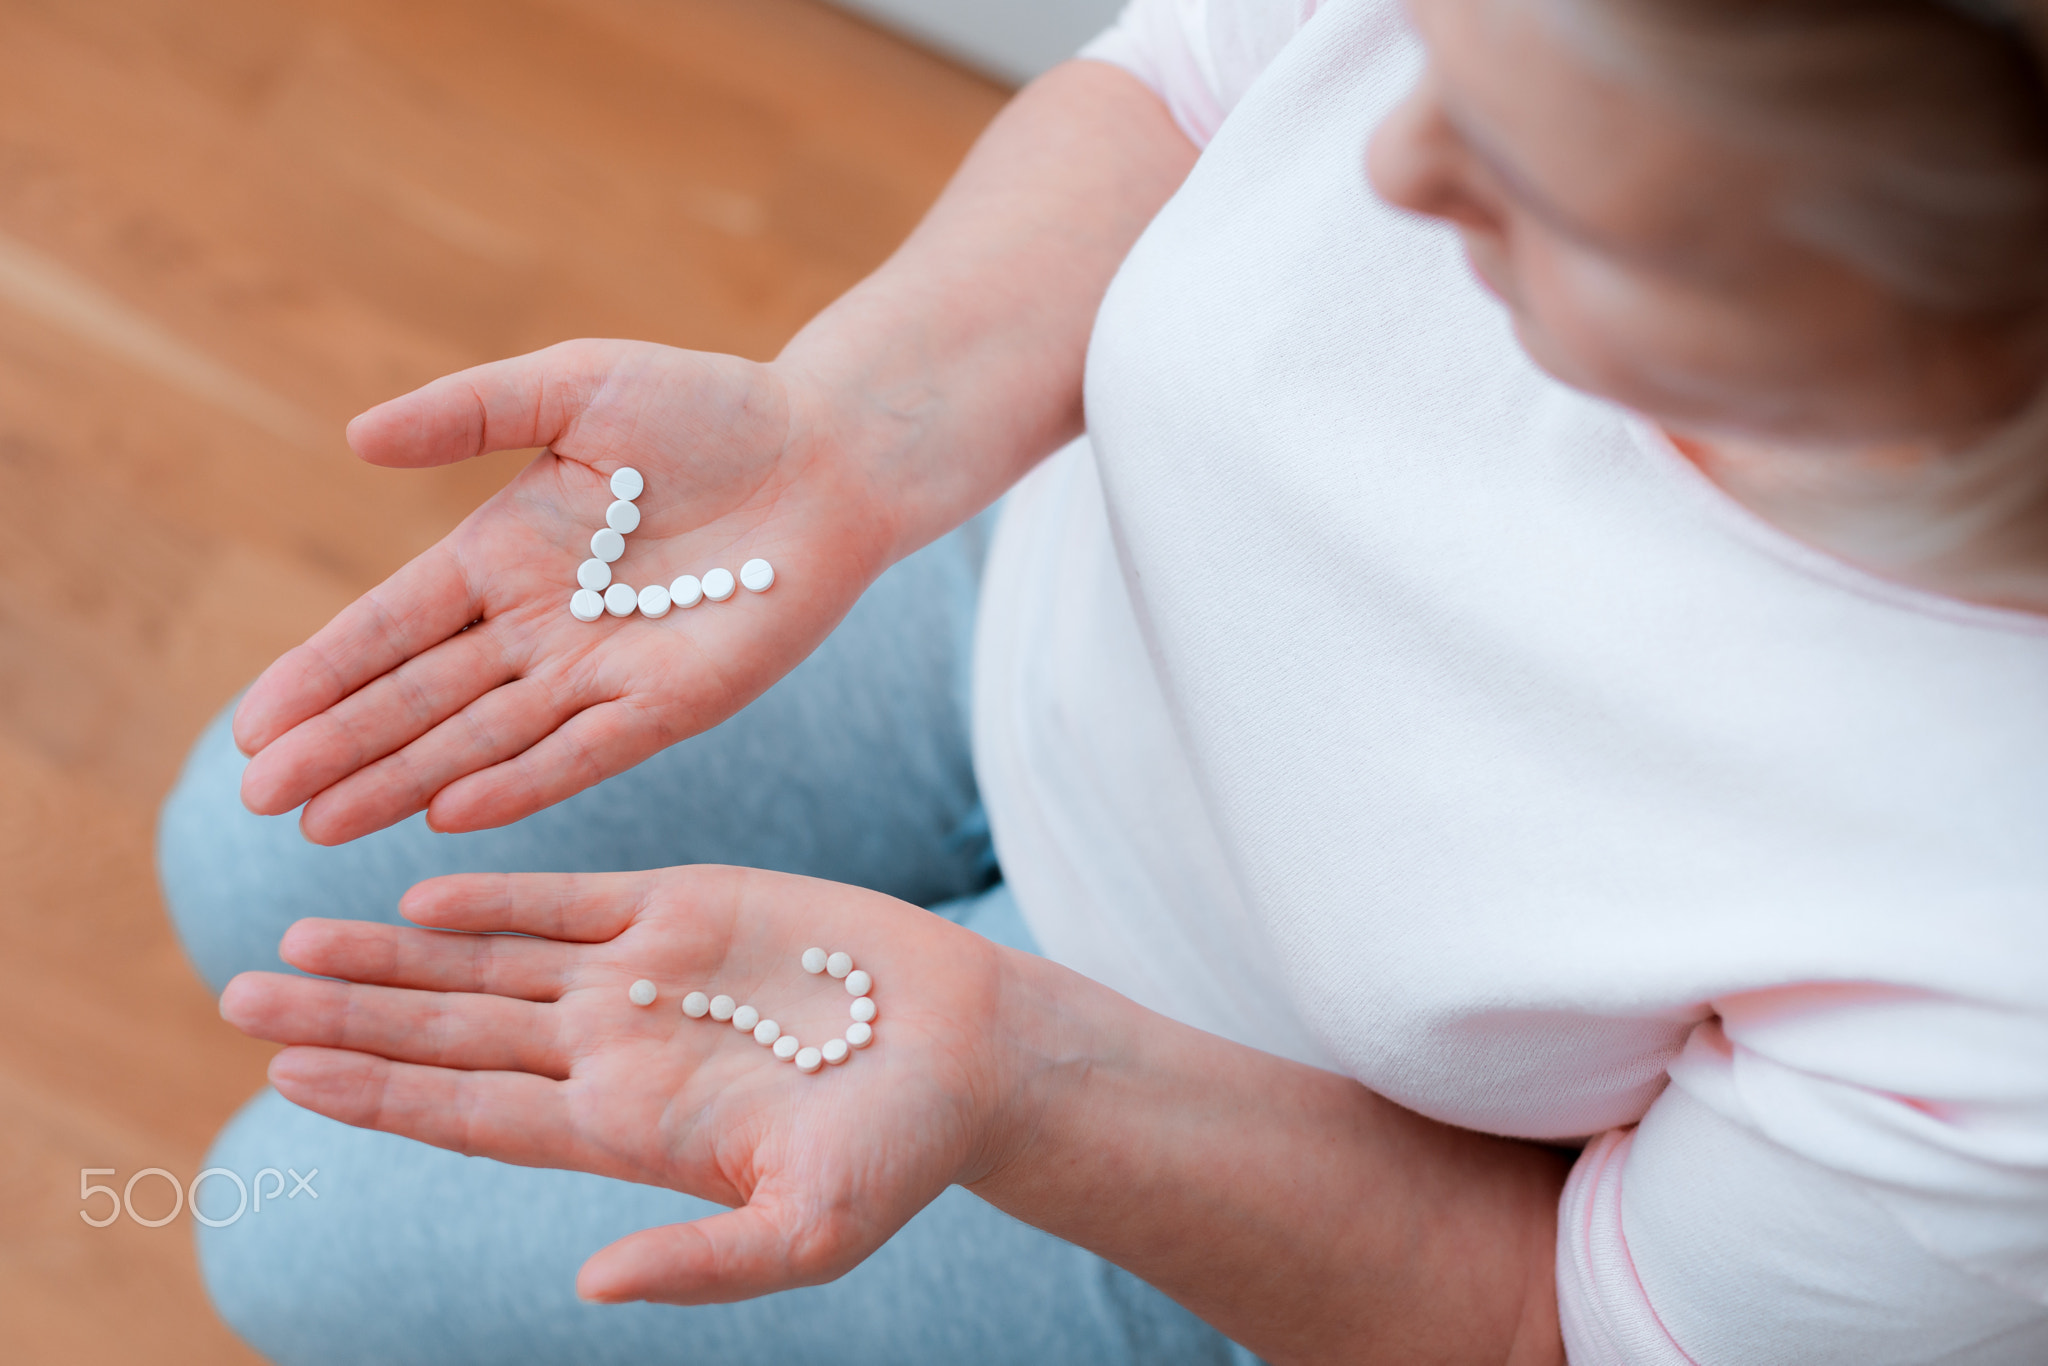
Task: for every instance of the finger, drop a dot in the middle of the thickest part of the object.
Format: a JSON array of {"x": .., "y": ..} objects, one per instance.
[
  {"x": 510, "y": 1116},
  {"x": 754, "y": 1250},
  {"x": 529, "y": 400},
  {"x": 575, "y": 908},
  {"x": 420, "y": 606},
  {"x": 474, "y": 1032},
  {"x": 376, "y": 954},
  {"x": 493, "y": 728},
  {"x": 380, "y": 718},
  {"x": 583, "y": 751}
]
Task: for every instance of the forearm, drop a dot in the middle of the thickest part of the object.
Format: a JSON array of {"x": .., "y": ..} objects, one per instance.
[
  {"x": 958, "y": 364},
  {"x": 1295, "y": 1210}
]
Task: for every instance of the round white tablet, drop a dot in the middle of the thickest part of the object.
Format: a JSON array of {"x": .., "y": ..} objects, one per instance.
[
  {"x": 745, "y": 1018},
  {"x": 722, "y": 1007},
  {"x": 686, "y": 591},
  {"x": 620, "y": 600},
  {"x": 607, "y": 545},
  {"x": 627, "y": 483},
  {"x": 858, "y": 983},
  {"x": 786, "y": 1046},
  {"x": 767, "y": 1032},
  {"x": 696, "y": 1005},
  {"x": 863, "y": 1009},
  {"x": 839, "y": 964},
  {"x": 718, "y": 585},
  {"x": 594, "y": 574},
  {"x": 654, "y": 601},
  {"x": 809, "y": 1059},
  {"x": 757, "y": 575},
  {"x": 835, "y": 1050},
  {"x": 641, "y": 993},
  {"x": 860, "y": 1034},
  {"x": 585, "y": 605},
  {"x": 622, "y": 517},
  {"x": 814, "y": 960}
]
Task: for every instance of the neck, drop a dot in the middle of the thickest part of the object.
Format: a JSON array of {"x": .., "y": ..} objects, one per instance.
[{"x": 1971, "y": 526}]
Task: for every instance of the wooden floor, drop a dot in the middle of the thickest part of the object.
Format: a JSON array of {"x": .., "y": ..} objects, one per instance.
[{"x": 226, "y": 226}]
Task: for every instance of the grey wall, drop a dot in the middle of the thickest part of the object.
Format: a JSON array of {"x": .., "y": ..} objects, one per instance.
[{"x": 1014, "y": 39}]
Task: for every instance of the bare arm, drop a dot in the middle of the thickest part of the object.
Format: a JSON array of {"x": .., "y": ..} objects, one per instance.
[{"x": 462, "y": 687}]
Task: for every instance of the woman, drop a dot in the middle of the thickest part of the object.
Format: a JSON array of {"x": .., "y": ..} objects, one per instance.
[{"x": 1414, "y": 762}]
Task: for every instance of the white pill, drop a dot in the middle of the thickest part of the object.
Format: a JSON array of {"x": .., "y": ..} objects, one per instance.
[
  {"x": 607, "y": 545},
  {"x": 696, "y": 1005},
  {"x": 594, "y": 575},
  {"x": 814, "y": 960},
  {"x": 627, "y": 483},
  {"x": 863, "y": 1009},
  {"x": 767, "y": 1032},
  {"x": 654, "y": 601},
  {"x": 641, "y": 993},
  {"x": 745, "y": 1018},
  {"x": 722, "y": 1007},
  {"x": 622, "y": 517},
  {"x": 860, "y": 1034},
  {"x": 718, "y": 585},
  {"x": 686, "y": 591},
  {"x": 786, "y": 1046},
  {"x": 757, "y": 575},
  {"x": 585, "y": 605},
  {"x": 858, "y": 983},
  {"x": 835, "y": 1050},
  {"x": 809, "y": 1059},
  {"x": 620, "y": 600},
  {"x": 839, "y": 964}
]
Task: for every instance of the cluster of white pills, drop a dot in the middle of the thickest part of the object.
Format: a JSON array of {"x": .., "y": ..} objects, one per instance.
[
  {"x": 766, "y": 1032},
  {"x": 597, "y": 595}
]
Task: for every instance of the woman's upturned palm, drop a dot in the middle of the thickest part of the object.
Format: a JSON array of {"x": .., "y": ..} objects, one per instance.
[{"x": 462, "y": 685}]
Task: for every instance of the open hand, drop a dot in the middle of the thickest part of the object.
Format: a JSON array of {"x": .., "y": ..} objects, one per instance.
[
  {"x": 463, "y": 686},
  {"x": 524, "y": 1047}
]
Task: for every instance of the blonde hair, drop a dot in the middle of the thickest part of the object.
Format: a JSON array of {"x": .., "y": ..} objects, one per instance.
[{"x": 1918, "y": 135}]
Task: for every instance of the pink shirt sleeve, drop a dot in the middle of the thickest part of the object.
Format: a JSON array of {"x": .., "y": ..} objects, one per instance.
[{"x": 1199, "y": 56}]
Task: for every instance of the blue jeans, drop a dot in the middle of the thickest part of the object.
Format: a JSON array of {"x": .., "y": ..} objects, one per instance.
[{"x": 855, "y": 767}]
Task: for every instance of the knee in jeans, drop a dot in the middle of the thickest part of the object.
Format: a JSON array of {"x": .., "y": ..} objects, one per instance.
[{"x": 219, "y": 866}]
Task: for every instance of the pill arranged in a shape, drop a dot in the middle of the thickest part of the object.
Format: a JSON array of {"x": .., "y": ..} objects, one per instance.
[
  {"x": 607, "y": 545},
  {"x": 620, "y": 600},
  {"x": 786, "y": 1046},
  {"x": 757, "y": 575},
  {"x": 654, "y": 601},
  {"x": 594, "y": 573},
  {"x": 627, "y": 483},
  {"x": 585, "y": 605},
  {"x": 622, "y": 517},
  {"x": 686, "y": 591},
  {"x": 718, "y": 584},
  {"x": 641, "y": 993}
]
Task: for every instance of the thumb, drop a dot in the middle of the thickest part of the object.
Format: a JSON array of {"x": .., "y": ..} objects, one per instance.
[
  {"x": 529, "y": 400},
  {"x": 737, "y": 1255}
]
